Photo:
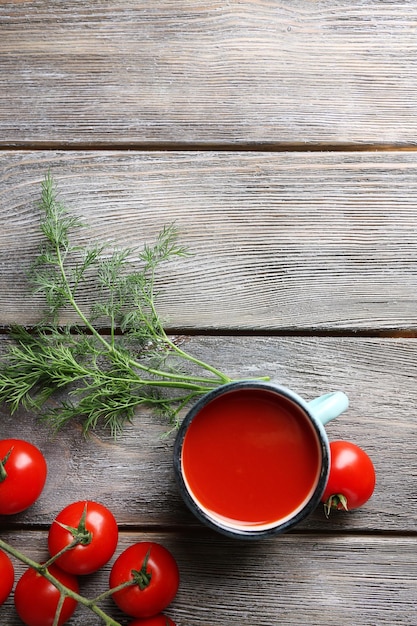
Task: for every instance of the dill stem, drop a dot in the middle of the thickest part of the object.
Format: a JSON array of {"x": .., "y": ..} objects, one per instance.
[
  {"x": 110, "y": 347},
  {"x": 185, "y": 355},
  {"x": 223, "y": 378}
]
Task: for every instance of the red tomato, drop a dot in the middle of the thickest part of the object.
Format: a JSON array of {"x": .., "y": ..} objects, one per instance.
[
  {"x": 22, "y": 475},
  {"x": 351, "y": 479},
  {"x": 98, "y": 532},
  {"x": 6, "y": 576},
  {"x": 36, "y": 599},
  {"x": 156, "y": 576},
  {"x": 156, "y": 620}
]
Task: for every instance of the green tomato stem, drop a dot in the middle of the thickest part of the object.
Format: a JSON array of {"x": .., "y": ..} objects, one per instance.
[
  {"x": 56, "y": 556},
  {"x": 141, "y": 578},
  {"x": 3, "y": 472},
  {"x": 337, "y": 501},
  {"x": 110, "y": 592},
  {"x": 59, "y": 609},
  {"x": 64, "y": 591}
]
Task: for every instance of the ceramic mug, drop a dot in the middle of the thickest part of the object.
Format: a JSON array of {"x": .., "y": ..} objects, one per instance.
[{"x": 251, "y": 458}]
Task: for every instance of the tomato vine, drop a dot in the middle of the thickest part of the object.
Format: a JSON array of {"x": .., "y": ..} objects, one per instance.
[
  {"x": 66, "y": 592},
  {"x": 44, "y": 569}
]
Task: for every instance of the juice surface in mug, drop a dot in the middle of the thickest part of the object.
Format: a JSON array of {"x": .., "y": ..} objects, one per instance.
[{"x": 251, "y": 458}]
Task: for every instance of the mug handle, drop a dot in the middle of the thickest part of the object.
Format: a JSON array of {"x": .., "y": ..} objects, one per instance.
[{"x": 329, "y": 406}]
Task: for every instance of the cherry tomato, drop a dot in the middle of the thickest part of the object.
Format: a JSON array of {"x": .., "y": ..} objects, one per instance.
[
  {"x": 23, "y": 473},
  {"x": 36, "y": 599},
  {"x": 156, "y": 579},
  {"x": 97, "y": 529},
  {"x": 156, "y": 620},
  {"x": 6, "y": 576},
  {"x": 351, "y": 479}
]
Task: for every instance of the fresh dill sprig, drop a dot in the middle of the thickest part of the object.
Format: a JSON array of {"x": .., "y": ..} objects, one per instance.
[{"x": 106, "y": 376}]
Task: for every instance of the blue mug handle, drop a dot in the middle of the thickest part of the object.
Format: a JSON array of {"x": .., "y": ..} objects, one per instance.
[{"x": 329, "y": 406}]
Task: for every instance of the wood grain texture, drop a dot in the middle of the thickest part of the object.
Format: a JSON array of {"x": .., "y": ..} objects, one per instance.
[
  {"x": 314, "y": 241},
  {"x": 126, "y": 72},
  {"x": 218, "y": 116},
  {"x": 134, "y": 475},
  {"x": 305, "y": 579}
]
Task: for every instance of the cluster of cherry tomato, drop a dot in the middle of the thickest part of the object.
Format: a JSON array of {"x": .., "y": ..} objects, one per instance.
[{"x": 83, "y": 537}]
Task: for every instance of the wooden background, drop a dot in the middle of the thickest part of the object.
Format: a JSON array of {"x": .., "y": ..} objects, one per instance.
[{"x": 281, "y": 139}]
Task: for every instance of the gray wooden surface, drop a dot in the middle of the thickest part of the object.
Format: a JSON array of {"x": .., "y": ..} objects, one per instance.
[
  {"x": 253, "y": 72},
  {"x": 280, "y": 138},
  {"x": 278, "y": 241}
]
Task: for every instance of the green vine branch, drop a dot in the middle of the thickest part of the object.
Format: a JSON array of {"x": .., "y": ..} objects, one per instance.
[{"x": 65, "y": 592}]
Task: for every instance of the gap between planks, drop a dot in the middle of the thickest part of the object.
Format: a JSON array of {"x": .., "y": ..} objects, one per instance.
[
  {"x": 126, "y": 529},
  {"x": 203, "y": 147},
  {"x": 370, "y": 333}
]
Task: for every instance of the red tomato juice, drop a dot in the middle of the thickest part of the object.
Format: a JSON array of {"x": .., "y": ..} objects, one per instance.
[{"x": 251, "y": 458}]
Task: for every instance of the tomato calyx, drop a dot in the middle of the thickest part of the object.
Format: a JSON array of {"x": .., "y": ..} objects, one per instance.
[
  {"x": 82, "y": 536},
  {"x": 142, "y": 577},
  {"x": 338, "y": 501},
  {"x": 3, "y": 472}
]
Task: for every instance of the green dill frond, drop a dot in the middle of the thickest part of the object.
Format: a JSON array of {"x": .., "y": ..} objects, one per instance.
[
  {"x": 104, "y": 376},
  {"x": 56, "y": 223},
  {"x": 165, "y": 248}
]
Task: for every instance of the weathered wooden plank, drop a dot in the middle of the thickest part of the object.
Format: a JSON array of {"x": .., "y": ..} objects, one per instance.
[
  {"x": 134, "y": 474},
  {"x": 303, "y": 579},
  {"x": 279, "y": 241},
  {"x": 233, "y": 73}
]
